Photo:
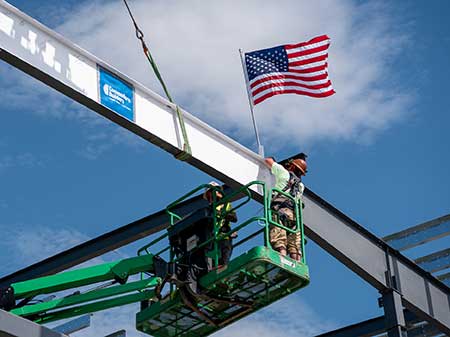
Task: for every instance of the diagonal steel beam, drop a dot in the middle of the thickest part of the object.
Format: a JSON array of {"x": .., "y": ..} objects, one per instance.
[{"x": 102, "y": 244}]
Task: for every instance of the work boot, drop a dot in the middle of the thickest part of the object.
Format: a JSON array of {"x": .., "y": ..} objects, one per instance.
[
  {"x": 296, "y": 257},
  {"x": 282, "y": 251}
]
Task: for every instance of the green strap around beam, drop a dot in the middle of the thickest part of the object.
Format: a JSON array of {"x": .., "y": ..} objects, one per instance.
[
  {"x": 186, "y": 152},
  {"x": 119, "y": 270},
  {"x": 59, "y": 303}
]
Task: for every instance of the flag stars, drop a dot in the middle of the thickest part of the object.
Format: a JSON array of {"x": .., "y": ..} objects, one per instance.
[{"x": 266, "y": 61}]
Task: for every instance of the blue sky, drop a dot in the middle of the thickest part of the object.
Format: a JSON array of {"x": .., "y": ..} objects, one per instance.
[{"x": 378, "y": 149}]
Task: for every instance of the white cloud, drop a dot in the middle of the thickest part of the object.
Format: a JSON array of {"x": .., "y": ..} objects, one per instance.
[
  {"x": 195, "y": 43},
  {"x": 112, "y": 320},
  {"x": 32, "y": 243},
  {"x": 290, "y": 317},
  {"x": 105, "y": 137},
  {"x": 19, "y": 160},
  {"x": 27, "y": 244}
]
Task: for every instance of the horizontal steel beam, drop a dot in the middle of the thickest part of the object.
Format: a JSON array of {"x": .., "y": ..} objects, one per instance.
[
  {"x": 420, "y": 234},
  {"x": 435, "y": 262},
  {"x": 120, "y": 333},
  {"x": 444, "y": 277},
  {"x": 74, "y": 325},
  {"x": 424, "y": 330},
  {"x": 371, "y": 327},
  {"x": 44, "y": 54}
]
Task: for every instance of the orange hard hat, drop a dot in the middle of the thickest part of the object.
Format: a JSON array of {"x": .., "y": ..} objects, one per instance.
[{"x": 300, "y": 164}]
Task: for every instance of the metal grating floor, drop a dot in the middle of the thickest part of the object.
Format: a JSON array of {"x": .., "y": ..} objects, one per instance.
[{"x": 256, "y": 279}]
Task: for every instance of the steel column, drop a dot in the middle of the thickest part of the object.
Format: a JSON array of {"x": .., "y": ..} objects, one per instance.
[{"x": 393, "y": 314}]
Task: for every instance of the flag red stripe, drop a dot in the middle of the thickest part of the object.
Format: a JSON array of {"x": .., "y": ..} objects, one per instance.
[
  {"x": 290, "y": 84},
  {"x": 290, "y": 77},
  {"x": 303, "y": 44},
  {"x": 298, "y": 92},
  {"x": 311, "y": 60},
  {"x": 309, "y": 70},
  {"x": 308, "y": 51}
]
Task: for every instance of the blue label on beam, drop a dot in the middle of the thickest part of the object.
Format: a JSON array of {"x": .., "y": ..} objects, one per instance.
[{"x": 116, "y": 94}]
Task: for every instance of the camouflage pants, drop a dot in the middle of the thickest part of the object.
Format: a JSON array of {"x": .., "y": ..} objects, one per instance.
[{"x": 279, "y": 238}]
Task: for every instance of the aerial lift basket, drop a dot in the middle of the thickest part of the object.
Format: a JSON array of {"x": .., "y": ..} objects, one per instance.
[{"x": 224, "y": 294}]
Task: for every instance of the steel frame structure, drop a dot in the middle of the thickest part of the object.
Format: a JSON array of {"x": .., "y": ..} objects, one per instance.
[
  {"x": 406, "y": 239},
  {"x": 40, "y": 52}
]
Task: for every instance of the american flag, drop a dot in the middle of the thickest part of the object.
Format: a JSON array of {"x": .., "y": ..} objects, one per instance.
[{"x": 300, "y": 68}]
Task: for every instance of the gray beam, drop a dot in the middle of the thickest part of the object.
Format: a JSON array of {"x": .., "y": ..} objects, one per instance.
[
  {"x": 435, "y": 262},
  {"x": 420, "y": 234},
  {"x": 121, "y": 333},
  {"x": 393, "y": 314},
  {"x": 445, "y": 278},
  {"x": 100, "y": 245},
  {"x": 74, "y": 325},
  {"x": 15, "y": 326},
  {"x": 368, "y": 328},
  {"x": 376, "y": 262},
  {"x": 424, "y": 330}
]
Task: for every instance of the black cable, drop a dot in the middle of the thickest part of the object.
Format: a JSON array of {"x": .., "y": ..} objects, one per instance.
[{"x": 139, "y": 33}]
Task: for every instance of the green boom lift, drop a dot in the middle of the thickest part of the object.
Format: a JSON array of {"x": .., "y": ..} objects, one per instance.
[{"x": 182, "y": 289}]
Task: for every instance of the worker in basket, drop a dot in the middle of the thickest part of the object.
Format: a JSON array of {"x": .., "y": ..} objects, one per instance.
[
  {"x": 225, "y": 216},
  {"x": 287, "y": 179}
]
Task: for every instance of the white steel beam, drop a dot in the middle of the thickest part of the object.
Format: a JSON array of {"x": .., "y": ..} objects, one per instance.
[
  {"x": 44, "y": 54},
  {"x": 49, "y": 57}
]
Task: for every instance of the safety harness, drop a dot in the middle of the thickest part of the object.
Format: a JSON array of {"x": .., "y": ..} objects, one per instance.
[
  {"x": 280, "y": 202},
  {"x": 293, "y": 185}
]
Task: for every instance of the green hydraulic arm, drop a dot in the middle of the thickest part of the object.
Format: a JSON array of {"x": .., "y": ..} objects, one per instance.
[{"x": 118, "y": 292}]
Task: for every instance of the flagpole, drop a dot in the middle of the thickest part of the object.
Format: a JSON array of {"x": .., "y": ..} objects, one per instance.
[{"x": 250, "y": 102}]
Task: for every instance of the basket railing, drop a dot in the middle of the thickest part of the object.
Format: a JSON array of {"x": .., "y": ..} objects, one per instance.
[{"x": 219, "y": 213}]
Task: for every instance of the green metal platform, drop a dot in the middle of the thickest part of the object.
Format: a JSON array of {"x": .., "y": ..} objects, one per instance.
[{"x": 255, "y": 279}]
